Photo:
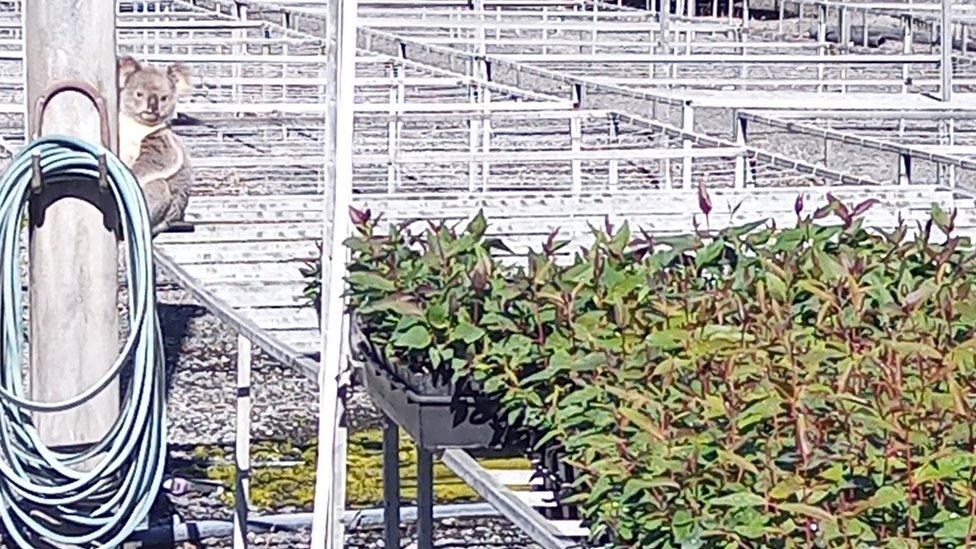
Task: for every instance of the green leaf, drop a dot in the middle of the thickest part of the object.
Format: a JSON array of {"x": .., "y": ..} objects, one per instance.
[
  {"x": 817, "y": 289},
  {"x": 957, "y": 528},
  {"x": 589, "y": 362},
  {"x": 941, "y": 218},
  {"x": 807, "y": 510},
  {"x": 909, "y": 348},
  {"x": 884, "y": 497},
  {"x": 478, "y": 225},
  {"x": 467, "y": 332},
  {"x": 739, "y": 499},
  {"x": 621, "y": 239},
  {"x": 437, "y": 315},
  {"x": 635, "y": 485},
  {"x": 544, "y": 374},
  {"x": 370, "y": 281},
  {"x": 399, "y": 304},
  {"x": 759, "y": 410},
  {"x": 643, "y": 422},
  {"x": 714, "y": 407},
  {"x": 737, "y": 460},
  {"x": 831, "y": 269},
  {"x": 667, "y": 340},
  {"x": 497, "y": 321},
  {"x": 709, "y": 253},
  {"x": 416, "y": 337},
  {"x": 787, "y": 487},
  {"x": 777, "y": 288},
  {"x": 754, "y": 529}
]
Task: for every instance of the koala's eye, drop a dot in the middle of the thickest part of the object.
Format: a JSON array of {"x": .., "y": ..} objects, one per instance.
[
  {"x": 164, "y": 98},
  {"x": 140, "y": 95}
]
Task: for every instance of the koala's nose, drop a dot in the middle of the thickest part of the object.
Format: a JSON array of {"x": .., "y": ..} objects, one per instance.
[{"x": 153, "y": 103}]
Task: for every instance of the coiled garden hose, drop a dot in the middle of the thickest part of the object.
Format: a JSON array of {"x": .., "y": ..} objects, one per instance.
[{"x": 43, "y": 499}]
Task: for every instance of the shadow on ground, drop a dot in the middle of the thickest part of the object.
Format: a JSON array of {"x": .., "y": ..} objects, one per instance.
[{"x": 175, "y": 321}]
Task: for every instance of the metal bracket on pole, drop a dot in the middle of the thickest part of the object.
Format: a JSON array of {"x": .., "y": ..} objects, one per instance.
[
  {"x": 83, "y": 88},
  {"x": 40, "y": 106}
]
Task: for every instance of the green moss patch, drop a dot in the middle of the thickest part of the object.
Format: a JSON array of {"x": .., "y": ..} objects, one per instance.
[{"x": 292, "y": 483}]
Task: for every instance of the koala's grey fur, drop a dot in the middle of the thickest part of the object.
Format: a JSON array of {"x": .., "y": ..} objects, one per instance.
[{"x": 147, "y": 144}]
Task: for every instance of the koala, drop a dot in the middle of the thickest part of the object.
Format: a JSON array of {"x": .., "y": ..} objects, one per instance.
[{"x": 147, "y": 144}]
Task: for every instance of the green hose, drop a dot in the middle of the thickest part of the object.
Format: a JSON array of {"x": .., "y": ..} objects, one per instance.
[{"x": 42, "y": 497}]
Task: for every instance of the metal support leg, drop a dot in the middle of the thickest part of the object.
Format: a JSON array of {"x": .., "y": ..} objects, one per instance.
[
  {"x": 907, "y": 39},
  {"x": 905, "y": 169},
  {"x": 952, "y": 141},
  {"x": 739, "y": 133},
  {"x": 864, "y": 29},
  {"x": 576, "y": 138},
  {"x": 391, "y": 484},
  {"x": 687, "y": 125},
  {"x": 243, "y": 442},
  {"x": 821, "y": 40},
  {"x": 612, "y": 168},
  {"x": 425, "y": 498},
  {"x": 945, "y": 49}
]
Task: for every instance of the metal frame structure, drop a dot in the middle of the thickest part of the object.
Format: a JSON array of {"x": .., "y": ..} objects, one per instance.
[
  {"x": 542, "y": 113},
  {"x": 484, "y": 162}
]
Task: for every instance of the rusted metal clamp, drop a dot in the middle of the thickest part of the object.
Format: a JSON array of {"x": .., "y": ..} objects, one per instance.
[{"x": 40, "y": 106}]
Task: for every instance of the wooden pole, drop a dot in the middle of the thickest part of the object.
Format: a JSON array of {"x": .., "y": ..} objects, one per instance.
[{"x": 74, "y": 322}]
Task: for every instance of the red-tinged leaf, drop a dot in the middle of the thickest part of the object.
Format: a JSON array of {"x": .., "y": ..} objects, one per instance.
[
  {"x": 359, "y": 217},
  {"x": 737, "y": 460},
  {"x": 497, "y": 244},
  {"x": 647, "y": 236},
  {"x": 549, "y": 247},
  {"x": 798, "y": 204},
  {"x": 958, "y": 400},
  {"x": 704, "y": 200},
  {"x": 407, "y": 222},
  {"x": 864, "y": 206},
  {"x": 736, "y": 208},
  {"x": 822, "y": 211},
  {"x": 946, "y": 253},
  {"x": 920, "y": 294},
  {"x": 801, "y": 436}
]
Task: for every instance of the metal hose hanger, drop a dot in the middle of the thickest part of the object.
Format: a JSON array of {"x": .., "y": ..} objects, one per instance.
[{"x": 43, "y": 499}]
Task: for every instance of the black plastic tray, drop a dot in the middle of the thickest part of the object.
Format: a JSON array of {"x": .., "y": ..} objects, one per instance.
[{"x": 435, "y": 413}]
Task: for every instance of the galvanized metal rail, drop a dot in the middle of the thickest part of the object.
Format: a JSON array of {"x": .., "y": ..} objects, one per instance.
[{"x": 409, "y": 175}]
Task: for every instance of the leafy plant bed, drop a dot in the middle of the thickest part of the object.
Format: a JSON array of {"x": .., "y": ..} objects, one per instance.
[{"x": 812, "y": 385}]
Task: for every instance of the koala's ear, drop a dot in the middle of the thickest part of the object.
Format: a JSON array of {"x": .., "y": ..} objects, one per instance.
[
  {"x": 179, "y": 75},
  {"x": 127, "y": 66}
]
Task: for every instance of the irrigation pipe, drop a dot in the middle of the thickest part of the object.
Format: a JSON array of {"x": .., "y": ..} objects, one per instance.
[
  {"x": 353, "y": 519},
  {"x": 43, "y": 498}
]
